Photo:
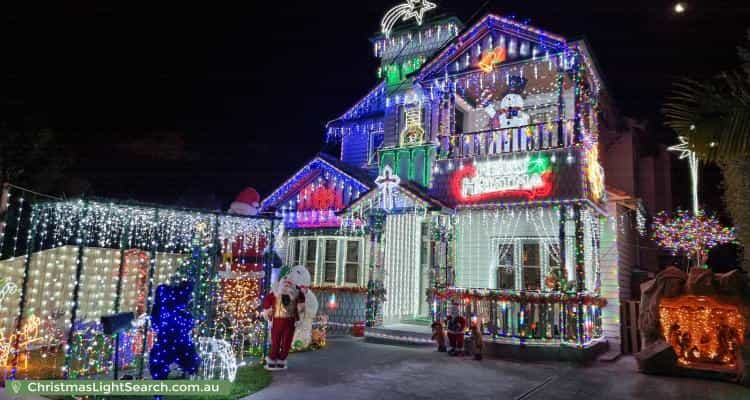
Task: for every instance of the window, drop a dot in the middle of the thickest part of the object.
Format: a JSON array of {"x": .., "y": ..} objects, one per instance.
[
  {"x": 505, "y": 266},
  {"x": 329, "y": 261},
  {"x": 295, "y": 252},
  {"x": 312, "y": 247},
  {"x": 459, "y": 121},
  {"x": 375, "y": 142},
  {"x": 532, "y": 271},
  {"x": 553, "y": 260},
  {"x": 351, "y": 267}
]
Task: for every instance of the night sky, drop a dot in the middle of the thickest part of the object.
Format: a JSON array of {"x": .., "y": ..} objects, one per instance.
[{"x": 165, "y": 101}]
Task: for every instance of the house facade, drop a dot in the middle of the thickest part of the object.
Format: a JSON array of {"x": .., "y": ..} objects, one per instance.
[{"x": 469, "y": 175}]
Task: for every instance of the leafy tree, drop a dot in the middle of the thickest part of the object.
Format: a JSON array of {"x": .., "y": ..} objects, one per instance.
[{"x": 715, "y": 118}]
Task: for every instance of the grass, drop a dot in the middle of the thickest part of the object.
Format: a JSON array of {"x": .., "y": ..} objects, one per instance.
[{"x": 249, "y": 380}]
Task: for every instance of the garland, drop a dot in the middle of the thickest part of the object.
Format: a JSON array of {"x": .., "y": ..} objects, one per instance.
[
  {"x": 517, "y": 297},
  {"x": 340, "y": 289}
]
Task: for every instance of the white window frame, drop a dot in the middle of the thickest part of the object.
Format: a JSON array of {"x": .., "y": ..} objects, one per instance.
[
  {"x": 318, "y": 277},
  {"x": 517, "y": 242}
]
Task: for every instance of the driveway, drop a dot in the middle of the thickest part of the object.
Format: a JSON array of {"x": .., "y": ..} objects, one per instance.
[{"x": 353, "y": 369}]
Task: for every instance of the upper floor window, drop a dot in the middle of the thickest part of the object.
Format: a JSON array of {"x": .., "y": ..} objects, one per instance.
[{"x": 374, "y": 142}]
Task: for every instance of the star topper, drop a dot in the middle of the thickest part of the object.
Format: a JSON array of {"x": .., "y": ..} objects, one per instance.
[
  {"x": 404, "y": 12},
  {"x": 683, "y": 148},
  {"x": 387, "y": 183}
]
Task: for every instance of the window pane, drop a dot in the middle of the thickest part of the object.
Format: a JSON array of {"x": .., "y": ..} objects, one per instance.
[
  {"x": 330, "y": 261},
  {"x": 312, "y": 251},
  {"x": 352, "y": 251},
  {"x": 505, "y": 278},
  {"x": 505, "y": 254},
  {"x": 350, "y": 275},
  {"x": 531, "y": 254},
  {"x": 532, "y": 271},
  {"x": 294, "y": 254},
  {"x": 330, "y": 254},
  {"x": 532, "y": 278},
  {"x": 506, "y": 267},
  {"x": 554, "y": 255}
]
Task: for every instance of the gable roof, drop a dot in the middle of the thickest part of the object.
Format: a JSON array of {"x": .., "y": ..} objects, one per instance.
[
  {"x": 476, "y": 31},
  {"x": 312, "y": 169},
  {"x": 410, "y": 190},
  {"x": 369, "y": 106}
]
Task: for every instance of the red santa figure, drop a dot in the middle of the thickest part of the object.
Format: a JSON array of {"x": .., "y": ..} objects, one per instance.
[
  {"x": 456, "y": 329},
  {"x": 282, "y": 307}
]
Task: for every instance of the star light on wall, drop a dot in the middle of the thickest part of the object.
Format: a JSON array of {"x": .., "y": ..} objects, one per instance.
[
  {"x": 685, "y": 150},
  {"x": 404, "y": 12}
]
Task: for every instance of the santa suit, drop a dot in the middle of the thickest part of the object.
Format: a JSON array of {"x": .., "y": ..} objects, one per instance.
[
  {"x": 456, "y": 328},
  {"x": 284, "y": 316}
]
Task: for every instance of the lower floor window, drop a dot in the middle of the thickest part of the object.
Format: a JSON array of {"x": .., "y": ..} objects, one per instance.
[{"x": 330, "y": 260}]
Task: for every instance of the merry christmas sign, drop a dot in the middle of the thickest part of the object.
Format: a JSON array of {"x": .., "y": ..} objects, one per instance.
[{"x": 528, "y": 176}]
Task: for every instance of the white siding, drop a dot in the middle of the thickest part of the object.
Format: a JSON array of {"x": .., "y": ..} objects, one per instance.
[{"x": 401, "y": 281}]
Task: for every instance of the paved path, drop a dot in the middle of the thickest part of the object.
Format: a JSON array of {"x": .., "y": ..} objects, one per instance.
[{"x": 352, "y": 369}]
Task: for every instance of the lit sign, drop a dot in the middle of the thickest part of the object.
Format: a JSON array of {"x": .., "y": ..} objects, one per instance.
[{"x": 529, "y": 177}]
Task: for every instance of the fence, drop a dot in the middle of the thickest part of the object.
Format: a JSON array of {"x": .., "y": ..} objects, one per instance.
[{"x": 631, "y": 334}]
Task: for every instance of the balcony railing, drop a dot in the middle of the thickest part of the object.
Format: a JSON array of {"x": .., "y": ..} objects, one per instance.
[
  {"x": 542, "y": 318},
  {"x": 534, "y": 137}
]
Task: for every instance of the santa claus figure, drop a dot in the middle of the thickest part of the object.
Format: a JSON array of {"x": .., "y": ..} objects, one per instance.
[
  {"x": 283, "y": 307},
  {"x": 247, "y": 203},
  {"x": 456, "y": 329}
]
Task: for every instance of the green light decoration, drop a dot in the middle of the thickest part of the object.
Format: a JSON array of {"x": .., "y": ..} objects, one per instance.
[
  {"x": 397, "y": 73},
  {"x": 538, "y": 164}
]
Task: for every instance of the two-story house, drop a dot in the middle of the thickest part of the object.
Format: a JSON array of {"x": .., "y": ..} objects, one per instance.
[{"x": 470, "y": 174}]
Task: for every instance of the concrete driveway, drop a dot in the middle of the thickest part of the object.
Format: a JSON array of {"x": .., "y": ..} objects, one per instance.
[{"x": 353, "y": 369}]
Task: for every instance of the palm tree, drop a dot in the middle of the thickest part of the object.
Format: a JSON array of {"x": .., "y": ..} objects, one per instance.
[{"x": 714, "y": 116}]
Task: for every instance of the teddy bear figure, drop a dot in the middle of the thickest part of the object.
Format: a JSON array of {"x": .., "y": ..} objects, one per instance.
[{"x": 173, "y": 323}]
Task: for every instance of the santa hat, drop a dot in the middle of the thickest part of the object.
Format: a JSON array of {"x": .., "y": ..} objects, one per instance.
[{"x": 246, "y": 203}]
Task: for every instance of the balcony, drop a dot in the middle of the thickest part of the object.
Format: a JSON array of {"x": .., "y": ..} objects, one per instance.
[{"x": 534, "y": 137}]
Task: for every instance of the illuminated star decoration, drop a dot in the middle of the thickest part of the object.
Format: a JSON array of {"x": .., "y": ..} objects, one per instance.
[
  {"x": 404, "y": 12},
  {"x": 387, "y": 183},
  {"x": 685, "y": 151}
]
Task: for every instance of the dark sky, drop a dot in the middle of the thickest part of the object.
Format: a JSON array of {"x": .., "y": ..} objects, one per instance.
[{"x": 161, "y": 100}]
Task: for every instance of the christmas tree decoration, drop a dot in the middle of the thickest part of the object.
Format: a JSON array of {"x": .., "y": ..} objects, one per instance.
[{"x": 693, "y": 235}]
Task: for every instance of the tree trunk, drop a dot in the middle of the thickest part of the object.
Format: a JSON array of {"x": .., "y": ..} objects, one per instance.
[{"x": 737, "y": 200}]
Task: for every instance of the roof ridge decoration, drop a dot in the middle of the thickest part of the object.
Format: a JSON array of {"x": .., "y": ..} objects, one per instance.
[
  {"x": 404, "y": 12},
  {"x": 298, "y": 180}
]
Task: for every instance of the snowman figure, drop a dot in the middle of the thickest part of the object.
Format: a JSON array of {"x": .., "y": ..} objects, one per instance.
[
  {"x": 511, "y": 112},
  {"x": 508, "y": 112}
]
